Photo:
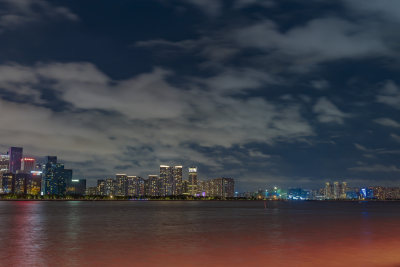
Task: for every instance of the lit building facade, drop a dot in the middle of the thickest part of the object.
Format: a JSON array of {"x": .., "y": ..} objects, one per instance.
[
  {"x": 55, "y": 177},
  {"x": 4, "y": 164},
  {"x": 28, "y": 165},
  {"x": 152, "y": 186},
  {"x": 76, "y": 187},
  {"x": 192, "y": 187},
  {"x": 177, "y": 180},
  {"x": 15, "y": 154}
]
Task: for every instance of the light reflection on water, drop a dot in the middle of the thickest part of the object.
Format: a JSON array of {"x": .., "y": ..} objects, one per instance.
[{"x": 199, "y": 233}]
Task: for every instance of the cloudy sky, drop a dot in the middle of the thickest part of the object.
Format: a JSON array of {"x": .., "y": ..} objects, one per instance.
[{"x": 288, "y": 92}]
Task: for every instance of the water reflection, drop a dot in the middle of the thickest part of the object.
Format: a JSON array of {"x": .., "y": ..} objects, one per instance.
[
  {"x": 198, "y": 234},
  {"x": 23, "y": 240}
]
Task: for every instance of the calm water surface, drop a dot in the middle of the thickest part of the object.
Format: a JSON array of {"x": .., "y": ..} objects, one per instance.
[{"x": 185, "y": 233}]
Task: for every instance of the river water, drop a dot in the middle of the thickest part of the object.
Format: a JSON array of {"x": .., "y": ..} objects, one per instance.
[{"x": 199, "y": 233}]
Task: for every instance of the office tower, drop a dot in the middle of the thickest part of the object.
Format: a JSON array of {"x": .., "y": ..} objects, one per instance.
[
  {"x": 33, "y": 184},
  {"x": 121, "y": 185},
  {"x": 20, "y": 183},
  {"x": 15, "y": 154},
  {"x": 152, "y": 186},
  {"x": 28, "y": 164},
  {"x": 177, "y": 181},
  {"x": 76, "y": 187},
  {"x": 192, "y": 181},
  {"x": 166, "y": 180},
  {"x": 55, "y": 177},
  {"x": 7, "y": 182},
  {"x": 4, "y": 164}
]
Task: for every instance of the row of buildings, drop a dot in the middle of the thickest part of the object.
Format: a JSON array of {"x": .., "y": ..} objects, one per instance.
[
  {"x": 331, "y": 191},
  {"x": 23, "y": 175},
  {"x": 169, "y": 182}
]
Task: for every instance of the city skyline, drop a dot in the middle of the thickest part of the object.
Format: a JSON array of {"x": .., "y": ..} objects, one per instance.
[
  {"x": 50, "y": 177},
  {"x": 278, "y": 92}
]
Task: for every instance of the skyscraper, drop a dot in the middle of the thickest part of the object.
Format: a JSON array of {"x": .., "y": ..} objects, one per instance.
[
  {"x": 152, "y": 186},
  {"x": 7, "y": 183},
  {"x": 15, "y": 154},
  {"x": 33, "y": 184},
  {"x": 55, "y": 177},
  {"x": 4, "y": 163},
  {"x": 121, "y": 185},
  {"x": 177, "y": 181},
  {"x": 28, "y": 164},
  {"x": 192, "y": 181},
  {"x": 166, "y": 180}
]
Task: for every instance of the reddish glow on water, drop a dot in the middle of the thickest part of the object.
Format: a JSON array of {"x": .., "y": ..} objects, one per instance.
[{"x": 199, "y": 234}]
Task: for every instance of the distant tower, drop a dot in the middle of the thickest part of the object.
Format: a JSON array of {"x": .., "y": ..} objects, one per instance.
[
  {"x": 192, "y": 181},
  {"x": 15, "y": 154},
  {"x": 328, "y": 192}
]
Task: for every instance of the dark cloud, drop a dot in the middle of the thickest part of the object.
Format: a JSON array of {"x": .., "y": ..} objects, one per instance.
[
  {"x": 264, "y": 91},
  {"x": 16, "y": 13}
]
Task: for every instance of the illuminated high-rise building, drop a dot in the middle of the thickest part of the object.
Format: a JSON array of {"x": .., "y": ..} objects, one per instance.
[
  {"x": 177, "y": 181},
  {"x": 152, "y": 186},
  {"x": 4, "y": 163},
  {"x": 28, "y": 164},
  {"x": 166, "y": 180},
  {"x": 336, "y": 190},
  {"x": 192, "y": 187},
  {"x": 100, "y": 189},
  {"x": 15, "y": 154},
  {"x": 7, "y": 183},
  {"x": 121, "y": 185},
  {"x": 328, "y": 192},
  {"x": 109, "y": 187},
  {"x": 20, "y": 183},
  {"x": 55, "y": 177},
  {"x": 223, "y": 187},
  {"x": 343, "y": 190},
  {"x": 141, "y": 187},
  {"x": 33, "y": 184}
]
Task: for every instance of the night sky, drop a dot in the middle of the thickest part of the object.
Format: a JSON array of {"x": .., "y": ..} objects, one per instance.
[{"x": 288, "y": 92}]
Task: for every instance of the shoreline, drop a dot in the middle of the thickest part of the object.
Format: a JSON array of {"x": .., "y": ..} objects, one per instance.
[{"x": 203, "y": 200}]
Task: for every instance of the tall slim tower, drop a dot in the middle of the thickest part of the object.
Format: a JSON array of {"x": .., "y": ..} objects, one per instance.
[
  {"x": 15, "y": 154},
  {"x": 166, "y": 180},
  {"x": 192, "y": 181},
  {"x": 177, "y": 183}
]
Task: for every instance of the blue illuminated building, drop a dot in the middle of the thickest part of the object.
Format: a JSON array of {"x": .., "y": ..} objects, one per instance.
[{"x": 55, "y": 177}]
